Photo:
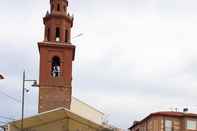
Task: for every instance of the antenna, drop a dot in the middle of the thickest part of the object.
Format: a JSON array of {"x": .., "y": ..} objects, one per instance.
[
  {"x": 176, "y": 109},
  {"x": 79, "y": 35},
  {"x": 185, "y": 110}
]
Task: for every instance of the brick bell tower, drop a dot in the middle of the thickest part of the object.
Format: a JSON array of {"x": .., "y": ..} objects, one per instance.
[{"x": 56, "y": 56}]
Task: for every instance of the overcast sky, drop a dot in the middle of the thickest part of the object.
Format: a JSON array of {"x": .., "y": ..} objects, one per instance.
[{"x": 135, "y": 57}]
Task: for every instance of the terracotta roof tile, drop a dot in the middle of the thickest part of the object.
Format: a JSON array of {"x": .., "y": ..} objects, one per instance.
[{"x": 174, "y": 114}]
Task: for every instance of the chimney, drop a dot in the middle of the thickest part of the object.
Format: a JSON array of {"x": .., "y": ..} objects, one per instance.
[{"x": 185, "y": 110}]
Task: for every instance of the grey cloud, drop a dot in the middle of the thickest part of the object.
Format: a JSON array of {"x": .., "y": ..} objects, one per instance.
[{"x": 128, "y": 61}]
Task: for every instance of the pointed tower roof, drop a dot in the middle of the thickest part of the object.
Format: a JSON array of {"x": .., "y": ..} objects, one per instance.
[{"x": 59, "y": 6}]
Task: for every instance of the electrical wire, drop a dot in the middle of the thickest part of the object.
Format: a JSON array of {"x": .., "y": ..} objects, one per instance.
[
  {"x": 14, "y": 99},
  {"x": 6, "y": 121},
  {"x": 7, "y": 118},
  {"x": 3, "y": 122}
]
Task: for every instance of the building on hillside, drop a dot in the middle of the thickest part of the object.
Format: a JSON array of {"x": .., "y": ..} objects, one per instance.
[
  {"x": 167, "y": 121},
  {"x": 60, "y": 119}
]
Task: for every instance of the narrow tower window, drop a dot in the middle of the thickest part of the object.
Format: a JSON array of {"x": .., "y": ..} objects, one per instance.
[
  {"x": 57, "y": 38},
  {"x": 58, "y": 7},
  {"x": 66, "y": 35},
  {"x": 55, "y": 67},
  {"x": 48, "y": 34}
]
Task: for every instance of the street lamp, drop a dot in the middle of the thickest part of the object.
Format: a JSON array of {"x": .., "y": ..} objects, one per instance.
[
  {"x": 1, "y": 77},
  {"x": 23, "y": 95}
]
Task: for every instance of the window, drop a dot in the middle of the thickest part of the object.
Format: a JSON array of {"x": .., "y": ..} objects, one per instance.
[
  {"x": 48, "y": 34},
  {"x": 57, "y": 38},
  {"x": 66, "y": 35},
  {"x": 55, "y": 67},
  {"x": 192, "y": 125},
  {"x": 168, "y": 125},
  {"x": 58, "y": 7}
]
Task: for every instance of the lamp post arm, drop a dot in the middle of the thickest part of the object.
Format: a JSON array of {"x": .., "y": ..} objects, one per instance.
[{"x": 31, "y": 80}]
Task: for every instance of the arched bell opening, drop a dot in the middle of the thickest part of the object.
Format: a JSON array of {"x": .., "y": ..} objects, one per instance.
[
  {"x": 57, "y": 34},
  {"x": 56, "y": 67}
]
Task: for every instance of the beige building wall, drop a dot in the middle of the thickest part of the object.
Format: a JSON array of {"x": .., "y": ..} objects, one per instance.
[
  {"x": 156, "y": 123},
  {"x": 86, "y": 111},
  {"x": 60, "y": 125},
  {"x": 57, "y": 120}
]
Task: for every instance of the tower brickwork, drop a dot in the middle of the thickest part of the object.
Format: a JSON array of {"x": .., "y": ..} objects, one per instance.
[{"x": 56, "y": 57}]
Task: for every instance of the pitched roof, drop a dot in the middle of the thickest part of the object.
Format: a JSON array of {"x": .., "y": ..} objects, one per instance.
[
  {"x": 171, "y": 113},
  {"x": 165, "y": 113},
  {"x": 53, "y": 115}
]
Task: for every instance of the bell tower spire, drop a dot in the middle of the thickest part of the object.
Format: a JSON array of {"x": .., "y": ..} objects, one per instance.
[
  {"x": 58, "y": 22},
  {"x": 58, "y": 6},
  {"x": 56, "y": 56}
]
